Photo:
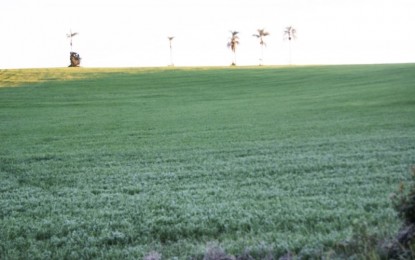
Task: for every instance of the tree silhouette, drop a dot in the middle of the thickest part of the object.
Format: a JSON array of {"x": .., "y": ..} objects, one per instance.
[
  {"x": 290, "y": 34},
  {"x": 233, "y": 43},
  {"x": 171, "y": 49},
  {"x": 261, "y": 34}
]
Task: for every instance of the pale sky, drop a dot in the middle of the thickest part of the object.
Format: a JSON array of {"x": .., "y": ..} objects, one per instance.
[{"x": 133, "y": 33}]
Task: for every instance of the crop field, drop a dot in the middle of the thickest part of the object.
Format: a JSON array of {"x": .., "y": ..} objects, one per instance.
[{"x": 119, "y": 163}]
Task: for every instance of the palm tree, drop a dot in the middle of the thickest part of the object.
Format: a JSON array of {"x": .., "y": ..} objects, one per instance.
[
  {"x": 290, "y": 34},
  {"x": 233, "y": 42},
  {"x": 70, "y": 35},
  {"x": 73, "y": 56},
  {"x": 261, "y": 34},
  {"x": 171, "y": 50}
]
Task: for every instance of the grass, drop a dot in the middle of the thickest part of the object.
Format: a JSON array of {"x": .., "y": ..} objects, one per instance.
[{"x": 123, "y": 163}]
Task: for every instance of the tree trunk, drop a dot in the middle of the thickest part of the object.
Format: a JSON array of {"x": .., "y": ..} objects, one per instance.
[
  {"x": 261, "y": 60},
  {"x": 234, "y": 59}
]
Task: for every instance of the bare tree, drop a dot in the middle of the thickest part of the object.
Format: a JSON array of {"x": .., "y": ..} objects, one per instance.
[
  {"x": 233, "y": 43},
  {"x": 171, "y": 49},
  {"x": 290, "y": 34},
  {"x": 261, "y": 34}
]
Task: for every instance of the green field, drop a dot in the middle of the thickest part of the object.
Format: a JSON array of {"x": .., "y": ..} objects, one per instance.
[{"x": 116, "y": 163}]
